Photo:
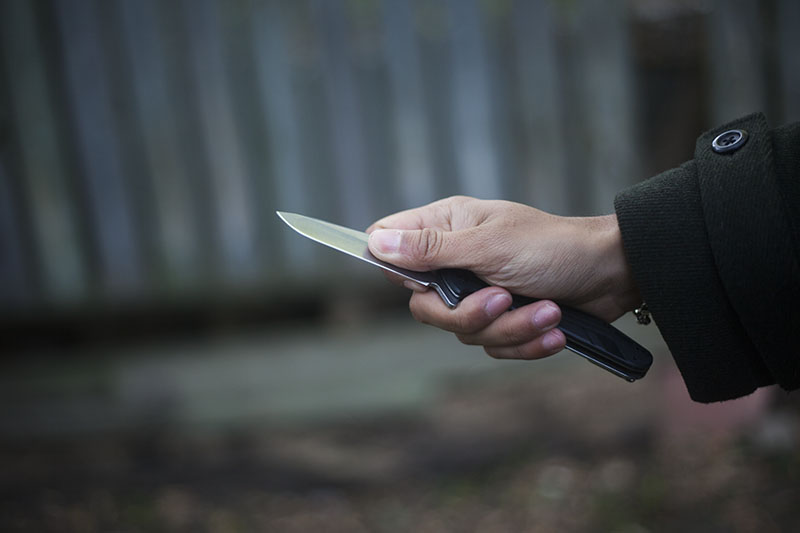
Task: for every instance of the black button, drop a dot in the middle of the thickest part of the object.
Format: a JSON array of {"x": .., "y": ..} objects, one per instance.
[{"x": 729, "y": 141}]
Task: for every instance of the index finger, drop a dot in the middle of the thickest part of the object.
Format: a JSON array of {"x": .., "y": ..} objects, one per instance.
[{"x": 434, "y": 215}]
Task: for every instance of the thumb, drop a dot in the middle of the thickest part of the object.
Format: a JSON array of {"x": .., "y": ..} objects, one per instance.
[{"x": 422, "y": 249}]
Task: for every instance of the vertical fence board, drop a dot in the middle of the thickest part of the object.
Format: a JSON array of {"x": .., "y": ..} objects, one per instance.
[
  {"x": 473, "y": 124},
  {"x": 51, "y": 207},
  {"x": 176, "y": 218},
  {"x": 788, "y": 17},
  {"x": 502, "y": 82},
  {"x": 99, "y": 152},
  {"x": 605, "y": 87},
  {"x": 735, "y": 59},
  {"x": 540, "y": 104},
  {"x": 374, "y": 90},
  {"x": 15, "y": 282},
  {"x": 411, "y": 131},
  {"x": 344, "y": 116},
  {"x": 278, "y": 103},
  {"x": 231, "y": 194},
  {"x": 434, "y": 43},
  {"x": 240, "y": 61},
  {"x": 309, "y": 92}
]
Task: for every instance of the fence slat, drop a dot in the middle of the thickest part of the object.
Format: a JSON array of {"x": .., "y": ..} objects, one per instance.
[
  {"x": 97, "y": 142},
  {"x": 735, "y": 59},
  {"x": 279, "y": 105},
  {"x": 344, "y": 116},
  {"x": 232, "y": 195},
  {"x": 602, "y": 141},
  {"x": 473, "y": 125},
  {"x": 176, "y": 223},
  {"x": 51, "y": 207},
  {"x": 415, "y": 174},
  {"x": 789, "y": 59},
  {"x": 541, "y": 104},
  {"x": 15, "y": 281}
]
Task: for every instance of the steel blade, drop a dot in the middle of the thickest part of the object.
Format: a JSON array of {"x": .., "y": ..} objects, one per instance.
[{"x": 349, "y": 241}]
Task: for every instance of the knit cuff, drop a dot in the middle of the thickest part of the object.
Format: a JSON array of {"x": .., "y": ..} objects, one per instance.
[{"x": 665, "y": 241}]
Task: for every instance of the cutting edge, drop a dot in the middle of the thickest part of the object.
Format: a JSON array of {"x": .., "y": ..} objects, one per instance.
[{"x": 425, "y": 279}]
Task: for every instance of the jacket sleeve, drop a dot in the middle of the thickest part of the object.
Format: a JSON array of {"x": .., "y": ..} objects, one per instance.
[{"x": 713, "y": 246}]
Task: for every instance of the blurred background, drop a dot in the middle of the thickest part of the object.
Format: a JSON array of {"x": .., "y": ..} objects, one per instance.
[{"x": 175, "y": 359}]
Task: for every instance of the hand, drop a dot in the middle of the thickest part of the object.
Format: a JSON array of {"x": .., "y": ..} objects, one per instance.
[{"x": 515, "y": 248}]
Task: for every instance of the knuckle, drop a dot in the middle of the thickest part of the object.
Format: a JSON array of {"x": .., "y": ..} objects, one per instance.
[
  {"x": 447, "y": 202},
  {"x": 466, "y": 323},
  {"x": 460, "y": 323},
  {"x": 523, "y": 330},
  {"x": 521, "y": 352},
  {"x": 510, "y": 333},
  {"x": 457, "y": 199},
  {"x": 428, "y": 245}
]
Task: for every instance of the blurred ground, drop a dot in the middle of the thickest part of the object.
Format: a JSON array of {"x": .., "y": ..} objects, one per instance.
[{"x": 384, "y": 427}]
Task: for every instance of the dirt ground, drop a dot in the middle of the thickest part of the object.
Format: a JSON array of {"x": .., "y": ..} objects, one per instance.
[{"x": 496, "y": 453}]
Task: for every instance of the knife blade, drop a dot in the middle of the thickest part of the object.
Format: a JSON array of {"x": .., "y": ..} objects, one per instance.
[{"x": 586, "y": 335}]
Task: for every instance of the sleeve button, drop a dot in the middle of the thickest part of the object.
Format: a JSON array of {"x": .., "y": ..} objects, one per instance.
[{"x": 729, "y": 141}]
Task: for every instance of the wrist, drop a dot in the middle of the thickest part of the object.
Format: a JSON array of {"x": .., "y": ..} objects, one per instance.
[
  {"x": 624, "y": 290},
  {"x": 617, "y": 290}
]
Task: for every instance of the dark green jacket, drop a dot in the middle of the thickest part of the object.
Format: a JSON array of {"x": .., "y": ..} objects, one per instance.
[{"x": 715, "y": 246}]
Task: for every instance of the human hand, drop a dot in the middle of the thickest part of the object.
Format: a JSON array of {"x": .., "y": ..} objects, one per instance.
[{"x": 515, "y": 248}]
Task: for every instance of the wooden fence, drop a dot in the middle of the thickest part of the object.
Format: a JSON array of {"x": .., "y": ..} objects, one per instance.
[{"x": 145, "y": 145}]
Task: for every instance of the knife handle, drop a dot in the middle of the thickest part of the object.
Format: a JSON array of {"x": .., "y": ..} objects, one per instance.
[{"x": 588, "y": 336}]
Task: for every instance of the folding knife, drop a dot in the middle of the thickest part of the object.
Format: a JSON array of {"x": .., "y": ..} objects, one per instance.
[{"x": 587, "y": 336}]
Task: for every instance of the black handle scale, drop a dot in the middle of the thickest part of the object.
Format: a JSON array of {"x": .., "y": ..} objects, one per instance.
[{"x": 588, "y": 336}]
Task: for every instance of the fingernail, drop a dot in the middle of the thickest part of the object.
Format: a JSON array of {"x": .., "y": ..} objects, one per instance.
[
  {"x": 497, "y": 304},
  {"x": 553, "y": 341},
  {"x": 546, "y": 316},
  {"x": 386, "y": 241}
]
